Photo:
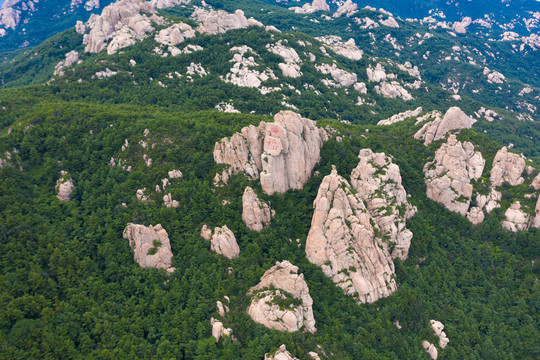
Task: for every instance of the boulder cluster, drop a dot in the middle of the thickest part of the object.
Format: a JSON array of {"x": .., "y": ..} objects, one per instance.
[
  {"x": 222, "y": 241},
  {"x": 454, "y": 119},
  {"x": 357, "y": 230},
  {"x": 281, "y": 300},
  {"x": 64, "y": 186},
  {"x": 282, "y": 154}
]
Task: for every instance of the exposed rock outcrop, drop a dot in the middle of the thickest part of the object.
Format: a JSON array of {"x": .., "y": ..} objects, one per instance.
[
  {"x": 280, "y": 354},
  {"x": 342, "y": 242},
  {"x": 218, "y": 330},
  {"x": 120, "y": 24},
  {"x": 535, "y": 222},
  {"x": 255, "y": 213},
  {"x": 348, "y": 9},
  {"x": 291, "y": 66},
  {"x": 438, "y": 328},
  {"x": 316, "y": 5},
  {"x": 430, "y": 349},
  {"x": 448, "y": 177},
  {"x": 169, "y": 202},
  {"x": 222, "y": 240},
  {"x": 72, "y": 58},
  {"x": 281, "y": 300},
  {"x": 490, "y": 201},
  {"x": 219, "y": 22},
  {"x": 347, "y": 49},
  {"x": 244, "y": 72},
  {"x": 175, "y": 34},
  {"x": 282, "y": 153},
  {"x": 378, "y": 183},
  {"x": 162, "y": 4},
  {"x": 64, "y": 186},
  {"x": 150, "y": 245},
  {"x": 341, "y": 78},
  {"x": 393, "y": 89},
  {"x": 507, "y": 167},
  {"x": 401, "y": 116},
  {"x": 516, "y": 219},
  {"x": 454, "y": 119}
]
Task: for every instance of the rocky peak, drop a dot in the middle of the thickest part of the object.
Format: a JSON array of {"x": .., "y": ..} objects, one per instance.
[
  {"x": 175, "y": 34},
  {"x": 255, "y": 213},
  {"x": 342, "y": 242},
  {"x": 282, "y": 153},
  {"x": 378, "y": 183},
  {"x": 150, "y": 245},
  {"x": 448, "y": 177},
  {"x": 454, "y": 119},
  {"x": 507, "y": 167},
  {"x": 281, "y": 300},
  {"x": 218, "y": 22}
]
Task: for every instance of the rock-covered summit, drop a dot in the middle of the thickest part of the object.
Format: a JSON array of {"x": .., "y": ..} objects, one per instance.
[{"x": 453, "y": 119}]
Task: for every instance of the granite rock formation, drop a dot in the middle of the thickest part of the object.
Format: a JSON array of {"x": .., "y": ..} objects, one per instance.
[
  {"x": 64, "y": 187},
  {"x": 150, "y": 245},
  {"x": 438, "y": 328},
  {"x": 454, "y": 119},
  {"x": 281, "y": 283},
  {"x": 280, "y": 354},
  {"x": 222, "y": 240},
  {"x": 507, "y": 167},
  {"x": 255, "y": 213}
]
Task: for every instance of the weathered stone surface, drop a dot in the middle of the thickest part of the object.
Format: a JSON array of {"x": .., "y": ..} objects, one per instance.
[
  {"x": 282, "y": 282},
  {"x": 460, "y": 27},
  {"x": 280, "y": 354},
  {"x": 347, "y": 49},
  {"x": 175, "y": 174},
  {"x": 341, "y": 78},
  {"x": 244, "y": 72},
  {"x": 291, "y": 67},
  {"x": 475, "y": 215},
  {"x": 507, "y": 167},
  {"x": 64, "y": 186},
  {"x": 401, "y": 116},
  {"x": 438, "y": 328},
  {"x": 162, "y": 4},
  {"x": 454, "y": 119},
  {"x": 490, "y": 201},
  {"x": 120, "y": 24},
  {"x": 222, "y": 240},
  {"x": 535, "y": 222},
  {"x": 282, "y": 153},
  {"x": 72, "y": 58},
  {"x": 316, "y": 5},
  {"x": 220, "y": 21},
  {"x": 255, "y": 213},
  {"x": 348, "y": 9},
  {"x": 536, "y": 182},
  {"x": 448, "y": 177},
  {"x": 377, "y": 180},
  {"x": 169, "y": 202},
  {"x": 150, "y": 245},
  {"x": 342, "y": 242},
  {"x": 393, "y": 89},
  {"x": 516, "y": 219},
  {"x": 430, "y": 349},
  {"x": 175, "y": 34},
  {"x": 218, "y": 330}
]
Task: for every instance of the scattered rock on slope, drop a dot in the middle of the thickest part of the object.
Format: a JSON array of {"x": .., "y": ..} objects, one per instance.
[
  {"x": 448, "y": 177},
  {"x": 150, "y": 245},
  {"x": 438, "y": 328},
  {"x": 507, "y": 167},
  {"x": 218, "y": 330},
  {"x": 175, "y": 34},
  {"x": 64, "y": 186},
  {"x": 516, "y": 219},
  {"x": 430, "y": 349},
  {"x": 342, "y": 242},
  {"x": 281, "y": 300},
  {"x": 401, "y": 116},
  {"x": 255, "y": 213},
  {"x": 219, "y": 22},
  {"x": 454, "y": 119},
  {"x": 282, "y": 153},
  {"x": 378, "y": 182},
  {"x": 222, "y": 240}
]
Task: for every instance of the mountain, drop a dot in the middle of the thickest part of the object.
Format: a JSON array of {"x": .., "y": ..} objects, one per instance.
[{"x": 269, "y": 180}]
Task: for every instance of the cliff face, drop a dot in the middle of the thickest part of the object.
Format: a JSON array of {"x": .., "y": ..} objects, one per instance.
[
  {"x": 255, "y": 213},
  {"x": 281, "y": 284},
  {"x": 454, "y": 119},
  {"x": 282, "y": 154}
]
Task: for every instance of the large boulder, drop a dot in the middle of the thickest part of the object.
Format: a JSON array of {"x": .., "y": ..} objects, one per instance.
[
  {"x": 430, "y": 349},
  {"x": 175, "y": 34},
  {"x": 219, "y": 330},
  {"x": 438, "y": 328},
  {"x": 281, "y": 300},
  {"x": 150, "y": 245},
  {"x": 64, "y": 186},
  {"x": 343, "y": 243},
  {"x": 255, "y": 213},
  {"x": 282, "y": 154},
  {"x": 448, "y": 177},
  {"x": 222, "y": 241},
  {"x": 515, "y": 218},
  {"x": 218, "y": 22},
  {"x": 454, "y": 119},
  {"x": 280, "y": 354},
  {"x": 507, "y": 167},
  {"x": 377, "y": 180}
]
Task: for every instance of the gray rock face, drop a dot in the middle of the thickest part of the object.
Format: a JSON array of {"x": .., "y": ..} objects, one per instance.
[
  {"x": 342, "y": 242},
  {"x": 291, "y": 66},
  {"x": 220, "y": 21},
  {"x": 454, "y": 119},
  {"x": 438, "y": 328},
  {"x": 219, "y": 330},
  {"x": 175, "y": 34},
  {"x": 535, "y": 222},
  {"x": 10, "y": 17},
  {"x": 255, "y": 213},
  {"x": 280, "y": 354},
  {"x": 341, "y": 78},
  {"x": 120, "y": 24},
  {"x": 507, "y": 167},
  {"x": 347, "y": 49},
  {"x": 430, "y": 349},
  {"x": 400, "y": 117},
  {"x": 393, "y": 90},
  {"x": 282, "y": 283},
  {"x": 150, "y": 245},
  {"x": 223, "y": 241},
  {"x": 72, "y": 58},
  {"x": 348, "y": 9},
  {"x": 64, "y": 187},
  {"x": 282, "y": 154},
  {"x": 448, "y": 177},
  {"x": 378, "y": 183},
  {"x": 162, "y": 4}
]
